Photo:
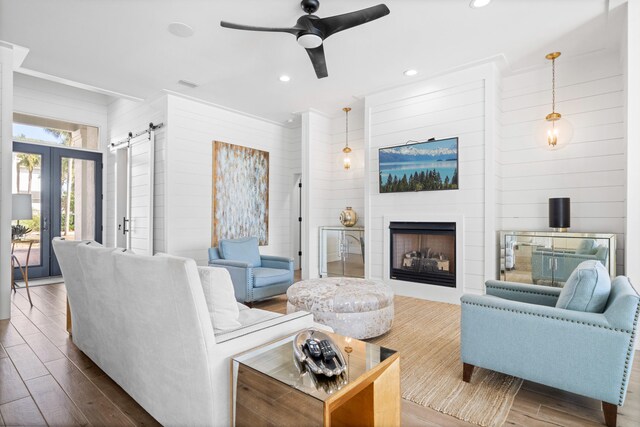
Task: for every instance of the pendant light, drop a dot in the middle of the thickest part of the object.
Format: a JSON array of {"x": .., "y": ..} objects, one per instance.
[
  {"x": 346, "y": 161},
  {"x": 556, "y": 131}
]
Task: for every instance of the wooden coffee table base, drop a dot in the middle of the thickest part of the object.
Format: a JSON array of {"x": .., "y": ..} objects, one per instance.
[{"x": 371, "y": 400}]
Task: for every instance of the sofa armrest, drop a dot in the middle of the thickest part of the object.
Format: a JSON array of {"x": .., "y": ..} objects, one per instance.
[
  {"x": 284, "y": 263},
  {"x": 228, "y": 263},
  {"x": 532, "y": 294},
  {"x": 257, "y": 328},
  {"x": 560, "y": 348}
]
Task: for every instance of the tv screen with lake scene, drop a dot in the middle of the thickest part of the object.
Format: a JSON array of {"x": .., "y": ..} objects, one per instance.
[{"x": 423, "y": 166}]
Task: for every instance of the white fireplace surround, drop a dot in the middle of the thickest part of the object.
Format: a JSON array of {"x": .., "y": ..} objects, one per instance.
[{"x": 422, "y": 290}]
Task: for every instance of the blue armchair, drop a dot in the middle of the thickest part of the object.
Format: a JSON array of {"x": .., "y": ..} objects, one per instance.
[
  {"x": 516, "y": 329},
  {"x": 254, "y": 276}
]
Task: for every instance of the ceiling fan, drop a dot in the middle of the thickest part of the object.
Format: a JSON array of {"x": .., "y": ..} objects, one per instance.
[{"x": 311, "y": 31}]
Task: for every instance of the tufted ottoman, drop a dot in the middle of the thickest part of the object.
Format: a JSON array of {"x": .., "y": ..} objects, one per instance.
[{"x": 355, "y": 308}]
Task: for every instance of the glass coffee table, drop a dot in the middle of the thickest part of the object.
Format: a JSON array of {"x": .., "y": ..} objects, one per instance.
[{"x": 270, "y": 388}]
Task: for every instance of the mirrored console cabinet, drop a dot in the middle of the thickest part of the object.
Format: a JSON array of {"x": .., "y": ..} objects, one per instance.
[
  {"x": 548, "y": 258},
  {"x": 341, "y": 251}
]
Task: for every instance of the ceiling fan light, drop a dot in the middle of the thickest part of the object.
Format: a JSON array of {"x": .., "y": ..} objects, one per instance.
[
  {"x": 475, "y": 4},
  {"x": 309, "y": 41}
]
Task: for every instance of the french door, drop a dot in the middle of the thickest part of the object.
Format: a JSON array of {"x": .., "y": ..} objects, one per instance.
[{"x": 66, "y": 193}]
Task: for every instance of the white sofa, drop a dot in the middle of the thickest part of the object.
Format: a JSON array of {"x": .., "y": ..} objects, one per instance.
[{"x": 144, "y": 321}]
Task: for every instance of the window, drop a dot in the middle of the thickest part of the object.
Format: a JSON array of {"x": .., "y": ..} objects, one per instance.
[{"x": 40, "y": 130}]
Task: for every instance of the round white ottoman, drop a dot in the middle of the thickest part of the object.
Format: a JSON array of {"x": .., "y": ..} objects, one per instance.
[{"x": 355, "y": 308}]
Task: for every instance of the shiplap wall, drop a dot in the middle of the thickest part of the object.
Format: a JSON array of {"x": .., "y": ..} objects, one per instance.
[
  {"x": 129, "y": 116},
  {"x": 347, "y": 185},
  {"x": 317, "y": 171},
  {"x": 449, "y": 106},
  {"x": 591, "y": 169},
  {"x": 193, "y": 126},
  {"x": 6, "y": 112}
]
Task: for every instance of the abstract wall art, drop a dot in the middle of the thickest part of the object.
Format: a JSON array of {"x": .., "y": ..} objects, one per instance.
[{"x": 240, "y": 193}]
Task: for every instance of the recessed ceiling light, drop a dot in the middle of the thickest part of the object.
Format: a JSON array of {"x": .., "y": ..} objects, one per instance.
[
  {"x": 289, "y": 120},
  {"x": 479, "y": 3},
  {"x": 284, "y": 78},
  {"x": 410, "y": 72},
  {"x": 180, "y": 29}
]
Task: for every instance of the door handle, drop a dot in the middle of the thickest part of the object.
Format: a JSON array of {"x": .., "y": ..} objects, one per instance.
[
  {"x": 124, "y": 225},
  {"x": 45, "y": 224}
]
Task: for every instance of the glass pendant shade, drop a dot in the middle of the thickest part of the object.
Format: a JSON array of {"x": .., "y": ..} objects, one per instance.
[
  {"x": 346, "y": 161},
  {"x": 555, "y": 131}
]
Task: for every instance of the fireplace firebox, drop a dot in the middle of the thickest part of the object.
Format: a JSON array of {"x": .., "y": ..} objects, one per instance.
[{"x": 423, "y": 252}]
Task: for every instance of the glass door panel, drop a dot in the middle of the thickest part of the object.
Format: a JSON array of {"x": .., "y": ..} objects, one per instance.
[
  {"x": 77, "y": 197},
  {"x": 30, "y": 227}
]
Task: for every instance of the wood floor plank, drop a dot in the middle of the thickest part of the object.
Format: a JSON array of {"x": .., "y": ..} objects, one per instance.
[
  {"x": 26, "y": 362},
  {"x": 43, "y": 348},
  {"x": 11, "y": 385},
  {"x": 78, "y": 358},
  {"x": 23, "y": 325},
  {"x": 36, "y": 316},
  {"x": 520, "y": 419},
  {"x": 98, "y": 409},
  {"x": 123, "y": 401},
  {"x": 22, "y": 412},
  {"x": 56, "y": 334},
  {"x": 8, "y": 335},
  {"x": 54, "y": 404}
]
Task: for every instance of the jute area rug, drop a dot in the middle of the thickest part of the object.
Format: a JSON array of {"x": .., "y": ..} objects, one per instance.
[{"x": 427, "y": 335}]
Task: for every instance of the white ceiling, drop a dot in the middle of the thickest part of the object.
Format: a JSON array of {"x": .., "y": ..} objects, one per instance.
[{"x": 124, "y": 46}]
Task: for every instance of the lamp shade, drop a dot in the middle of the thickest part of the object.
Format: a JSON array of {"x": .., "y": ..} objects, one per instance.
[
  {"x": 560, "y": 213},
  {"x": 21, "y": 208}
]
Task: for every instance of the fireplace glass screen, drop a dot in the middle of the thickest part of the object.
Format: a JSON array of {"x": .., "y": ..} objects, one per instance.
[{"x": 423, "y": 252}]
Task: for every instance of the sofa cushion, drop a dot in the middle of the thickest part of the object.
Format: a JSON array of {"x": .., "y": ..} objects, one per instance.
[
  {"x": 220, "y": 297},
  {"x": 269, "y": 276},
  {"x": 587, "y": 289},
  {"x": 245, "y": 250},
  {"x": 586, "y": 247}
]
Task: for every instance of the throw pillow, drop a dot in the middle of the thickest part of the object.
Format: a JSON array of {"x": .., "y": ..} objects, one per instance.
[
  {"x": 220, "y": 297},
  {"x": 245, "y": 250},
  {"x": 587, "y": 289}
]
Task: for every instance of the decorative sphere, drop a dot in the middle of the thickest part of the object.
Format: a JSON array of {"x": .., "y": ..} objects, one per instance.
[{"x": 348, "y": 217}]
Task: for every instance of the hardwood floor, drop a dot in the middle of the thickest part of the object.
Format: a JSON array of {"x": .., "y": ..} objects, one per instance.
[{"x": 45, "y": 379}]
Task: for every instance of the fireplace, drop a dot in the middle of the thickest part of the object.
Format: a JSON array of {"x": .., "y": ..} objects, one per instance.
[{"x": 423, "y": 252}]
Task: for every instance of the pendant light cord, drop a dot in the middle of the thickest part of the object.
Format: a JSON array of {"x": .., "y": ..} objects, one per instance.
[
  {"x": 346, "y": 129},
  {"x": 553, "y": 85}
]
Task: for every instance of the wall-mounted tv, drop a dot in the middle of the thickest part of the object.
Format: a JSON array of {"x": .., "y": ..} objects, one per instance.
[{"x": 421, "y": 166}]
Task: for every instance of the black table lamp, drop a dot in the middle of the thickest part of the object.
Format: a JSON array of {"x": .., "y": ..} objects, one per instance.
[{"x": 560, "y": 213}]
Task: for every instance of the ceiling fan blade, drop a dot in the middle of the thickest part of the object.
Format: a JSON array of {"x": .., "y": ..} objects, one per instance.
[
  {"x": 334, "y": 24},
  {"x": 317, "y": 59},
  {"x": 225, "y": 24}
]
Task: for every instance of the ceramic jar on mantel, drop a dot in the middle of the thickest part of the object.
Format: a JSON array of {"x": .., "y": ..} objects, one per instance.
[{"x": 348, "y": 217}]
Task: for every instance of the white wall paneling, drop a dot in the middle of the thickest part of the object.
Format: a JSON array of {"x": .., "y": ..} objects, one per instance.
[
  {"x": 631, "y": 53},
  {"x": 317, "y": 168},
  {"x": 193, "y": 126},
  {"x": 6, "y": 140},
  {"x": 591, "y": 169},
  {"x": 460, "y": 104}
]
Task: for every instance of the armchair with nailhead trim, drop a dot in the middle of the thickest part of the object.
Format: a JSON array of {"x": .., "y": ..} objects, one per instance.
[{"x": 517, "y": 329}]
